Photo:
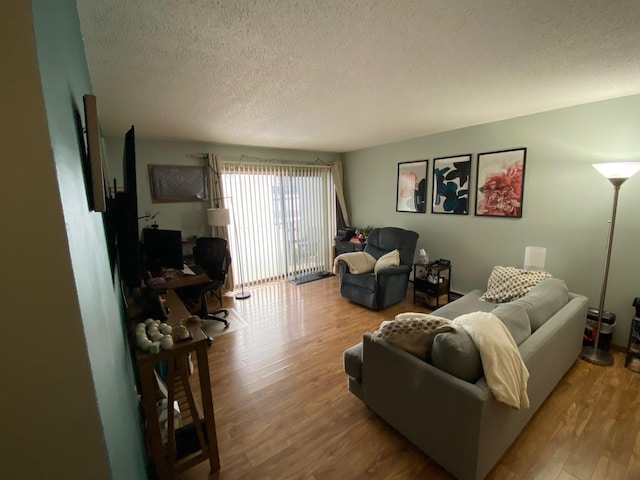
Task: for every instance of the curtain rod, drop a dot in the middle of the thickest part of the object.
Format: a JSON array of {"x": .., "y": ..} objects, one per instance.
[
  {"x": 317, "y": 161},
  {"x": 237, "y": 163},
  {"x": 264, "y": 161},
  {"x": 273, "y": 162}
]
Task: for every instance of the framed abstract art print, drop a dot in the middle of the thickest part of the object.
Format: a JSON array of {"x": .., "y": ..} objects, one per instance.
[
  {"x": 411, "y": 193},
  {"x": 500, "y": 184},
  {"x": 451, "y": 177}
]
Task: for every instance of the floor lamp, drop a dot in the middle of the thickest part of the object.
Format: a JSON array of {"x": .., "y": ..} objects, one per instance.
[
  {"x": 617, "y": 173},
  {"x": 221, "y": 217}
]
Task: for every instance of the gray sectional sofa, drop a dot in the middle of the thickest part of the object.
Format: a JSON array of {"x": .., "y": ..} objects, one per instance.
[{"x": 444, "y": 406}]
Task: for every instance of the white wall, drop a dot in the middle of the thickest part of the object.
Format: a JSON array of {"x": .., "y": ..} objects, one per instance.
[{"x": 566, "y": 206}]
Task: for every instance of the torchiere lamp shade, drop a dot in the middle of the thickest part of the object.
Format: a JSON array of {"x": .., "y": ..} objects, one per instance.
[{"x": 617, "y": 170}]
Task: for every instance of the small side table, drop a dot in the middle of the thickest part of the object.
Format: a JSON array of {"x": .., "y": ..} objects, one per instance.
[{"x": 431, "y": 281}]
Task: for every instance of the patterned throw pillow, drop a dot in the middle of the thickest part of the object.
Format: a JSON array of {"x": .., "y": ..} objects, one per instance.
[
  {"x": 509, "y": 283},
  {"x": 413, "y": 332}
]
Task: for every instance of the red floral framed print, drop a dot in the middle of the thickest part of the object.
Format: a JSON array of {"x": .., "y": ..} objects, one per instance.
[{"x": 500, "y": 183}]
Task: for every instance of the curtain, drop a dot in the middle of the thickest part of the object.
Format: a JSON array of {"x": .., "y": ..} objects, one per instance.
[
  {"x": 338, "y": 180},
  {"x": 217, "y": 200},
  {"x": 284, "y": 218}
]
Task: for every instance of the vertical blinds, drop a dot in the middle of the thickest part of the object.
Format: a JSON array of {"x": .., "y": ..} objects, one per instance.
[{"x": 284, "y": 218}]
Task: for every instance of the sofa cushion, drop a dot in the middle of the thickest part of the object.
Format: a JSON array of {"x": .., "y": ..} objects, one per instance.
[
  {"x": 465, "y": 304},
  {"x": 509, "y": 283},
  {"x": 353, "y": 361},
  {"x": 516, "y": 319},
  {"x": 390, "y": 259},
  {"x": 412, "y": 332},
  {"x": 544, "y": 300},
  {"x": 455, "y": 353}
]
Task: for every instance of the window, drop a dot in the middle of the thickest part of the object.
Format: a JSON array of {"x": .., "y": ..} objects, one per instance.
[{"x": 285, "y": 218}]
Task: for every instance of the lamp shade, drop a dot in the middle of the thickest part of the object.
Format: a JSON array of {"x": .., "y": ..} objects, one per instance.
[
  {"x": 218, "y": 217},
  {"x": 534, "y": 258},
  {"x": 618, "y": 169}
]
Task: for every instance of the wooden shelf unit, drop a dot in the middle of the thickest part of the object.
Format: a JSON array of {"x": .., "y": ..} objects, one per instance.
[{"x": 162, "y": 456}]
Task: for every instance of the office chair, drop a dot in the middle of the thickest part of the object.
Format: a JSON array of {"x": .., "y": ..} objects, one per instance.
[{"x": 212, "y": 255}]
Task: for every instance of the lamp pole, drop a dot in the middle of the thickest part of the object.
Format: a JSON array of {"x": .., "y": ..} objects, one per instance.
[
  {"x": 594, "y": 354},
  {"x": 242, "y": 295}
]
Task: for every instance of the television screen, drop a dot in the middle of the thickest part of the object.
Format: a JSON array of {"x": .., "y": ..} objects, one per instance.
[
  {"x": 128, "y": 239},
  {"x": 162, "y": 248}
]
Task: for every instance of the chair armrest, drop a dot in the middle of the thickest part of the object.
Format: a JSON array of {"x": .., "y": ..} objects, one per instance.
[
  {"x": 394, "y": 270},
  {"x": 343, "y": 267}
]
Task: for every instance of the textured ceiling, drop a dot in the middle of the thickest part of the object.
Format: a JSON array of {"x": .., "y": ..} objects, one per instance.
[{"x": 341, "y": 75}]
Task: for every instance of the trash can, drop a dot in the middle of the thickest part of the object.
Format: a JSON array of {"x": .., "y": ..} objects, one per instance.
[{"x": 591, "y": 328}]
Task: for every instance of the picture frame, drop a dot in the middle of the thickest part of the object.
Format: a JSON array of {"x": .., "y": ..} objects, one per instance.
[
  {"x": 178, "y": 183},
  {"x": 95, "y": 173},
  {"x": 451, "y": 185},
  {"x": 500, "y": 183},
  {"x": 411, "y": 187}
]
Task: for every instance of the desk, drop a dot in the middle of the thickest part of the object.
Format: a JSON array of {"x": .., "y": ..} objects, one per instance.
[
  {"x": 164, "y": 456},
  {"x": 180, "y": 280}
]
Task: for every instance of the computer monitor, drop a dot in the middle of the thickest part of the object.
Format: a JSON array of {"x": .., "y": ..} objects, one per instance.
[{"x": 162, "y": 248}]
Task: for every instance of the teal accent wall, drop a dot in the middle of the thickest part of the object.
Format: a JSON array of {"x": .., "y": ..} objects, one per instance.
[
  {"x": 72, "y": 409},
  {"x": 566, "y": 207}
]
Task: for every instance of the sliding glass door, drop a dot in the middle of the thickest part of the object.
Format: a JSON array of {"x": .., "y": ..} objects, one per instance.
[{"x": 284, "y": 219}]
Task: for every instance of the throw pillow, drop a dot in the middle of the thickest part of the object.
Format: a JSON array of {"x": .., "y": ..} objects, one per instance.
[
  {"x": 509, "y": 283},
  {"x": 412, "y": 332},
  {"x": 387, "y": 260}
]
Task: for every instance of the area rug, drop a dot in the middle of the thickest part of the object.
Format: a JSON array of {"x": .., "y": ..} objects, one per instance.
[
  {"x": 311, "y": 277},
  {"x": 213, "y": 328}
]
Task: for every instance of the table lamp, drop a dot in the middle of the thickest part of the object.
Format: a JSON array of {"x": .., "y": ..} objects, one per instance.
[{"x": 534, "y": 258}]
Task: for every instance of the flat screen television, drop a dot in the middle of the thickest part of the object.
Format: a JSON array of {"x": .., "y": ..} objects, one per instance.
[
  {"x": 127, "y": 232},
  {"x": 162, "y": 248}
]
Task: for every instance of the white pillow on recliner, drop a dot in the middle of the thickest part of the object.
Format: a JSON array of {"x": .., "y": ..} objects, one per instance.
[{"x": 387, "y": 260}]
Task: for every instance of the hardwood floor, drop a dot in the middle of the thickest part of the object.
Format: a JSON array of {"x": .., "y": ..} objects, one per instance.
[{"x": 283, "y": 410}]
